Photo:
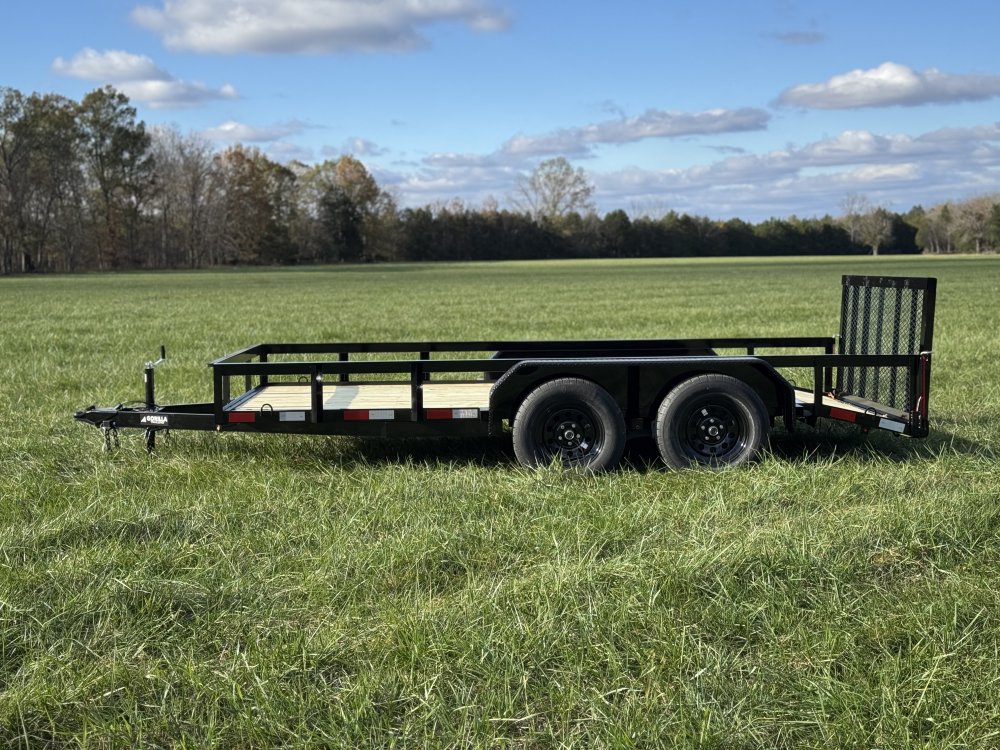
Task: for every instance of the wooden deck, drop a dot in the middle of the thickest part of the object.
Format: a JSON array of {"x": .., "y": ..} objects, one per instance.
[{"x": 293, "y": 397}]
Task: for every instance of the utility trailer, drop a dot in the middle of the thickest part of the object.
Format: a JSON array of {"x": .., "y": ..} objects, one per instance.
[{"x": 706, "y": 402}]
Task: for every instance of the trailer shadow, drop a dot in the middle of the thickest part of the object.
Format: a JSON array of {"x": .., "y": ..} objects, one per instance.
[
  {"x": 806, "y": 445},
  {"x": 828, "y": 442},
  {"x": 474, "y": 452}
]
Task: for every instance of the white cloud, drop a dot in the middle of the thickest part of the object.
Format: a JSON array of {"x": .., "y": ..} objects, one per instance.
[
  {"x": 316, "y": 26},
  {"x": 284, "y": 152},
  {"x": 427, "y": 186},
  {"x": 111, "y": 65},
  {"x": 899, "y": 170},
  {"x": 891, "y": 84},
  {"x": 168, "y": 94},
  {"x": 139, "y": 78},
  {"x": 521, "y": 150},
  {"x": 809, "y": 179},
  {"x": 355, "y": 146},
  {"x": 653, "y": 123},
  {"x": 232, "y": 131}
]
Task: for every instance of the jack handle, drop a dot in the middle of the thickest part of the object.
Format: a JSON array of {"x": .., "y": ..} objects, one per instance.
[{"x": 160, "y": 361}]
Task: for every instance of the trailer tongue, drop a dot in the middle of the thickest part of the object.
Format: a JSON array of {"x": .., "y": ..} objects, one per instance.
[{"x": 706, "y": 402}]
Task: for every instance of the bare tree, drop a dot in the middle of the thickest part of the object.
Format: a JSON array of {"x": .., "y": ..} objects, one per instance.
[
  {"x": 188, "y": 196},
  {"x": 553, "y": 190},
  {"x": 876, "y": 228},
  {"x": 854, "y": 207},
  {"x": 866, "y": 222},
  {"x": 934, "y": 234},
  {"x": 973, "y": 220}
]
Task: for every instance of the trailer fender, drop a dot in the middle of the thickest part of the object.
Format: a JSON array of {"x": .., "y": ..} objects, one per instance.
[{"x": 639, "y": 385}]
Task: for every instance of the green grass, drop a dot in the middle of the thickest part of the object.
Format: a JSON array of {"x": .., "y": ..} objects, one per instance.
[{"x": 260, "y": 591}]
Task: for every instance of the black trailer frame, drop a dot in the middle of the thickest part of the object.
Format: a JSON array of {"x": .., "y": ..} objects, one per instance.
[{"x": 875, "y": 374}]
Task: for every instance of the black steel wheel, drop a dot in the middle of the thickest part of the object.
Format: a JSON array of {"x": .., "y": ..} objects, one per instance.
[
  {"x": 710, "y": 420},
  {"x": 570, "y": 420}
]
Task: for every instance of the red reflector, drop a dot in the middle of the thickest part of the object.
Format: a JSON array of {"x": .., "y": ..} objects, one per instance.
[
  {"x": 438, "y": 414},
  {"x": 242, "y": 416},
  {"x": 356, "y": 415},
  {"x": 843, "y": 414}
]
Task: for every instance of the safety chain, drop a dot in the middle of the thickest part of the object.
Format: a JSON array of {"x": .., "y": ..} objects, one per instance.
[{"x": 110, "y": 437}]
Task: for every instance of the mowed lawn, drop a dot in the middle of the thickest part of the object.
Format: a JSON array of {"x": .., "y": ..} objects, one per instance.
[{"x": 260, "y": 591}]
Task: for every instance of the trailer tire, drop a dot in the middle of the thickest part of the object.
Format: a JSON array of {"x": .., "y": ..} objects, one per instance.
[
  {"x": 572, "y": 420},
  {"x": 710, "y": 420}
]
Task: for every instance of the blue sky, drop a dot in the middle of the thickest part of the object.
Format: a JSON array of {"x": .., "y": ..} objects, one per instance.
[{"x": 720, "y": 108}]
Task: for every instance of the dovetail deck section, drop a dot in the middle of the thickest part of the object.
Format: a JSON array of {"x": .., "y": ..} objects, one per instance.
[{"x": 805, "y": 398}]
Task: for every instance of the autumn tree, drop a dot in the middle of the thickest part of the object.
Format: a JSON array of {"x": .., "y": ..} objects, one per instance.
[
  {"x": 343, "y": 213},
  {"x": 15, "y": 156},
  {"x": 119, "y": 164},
  {"x": 258, "y": 207},
  {"x": 40, "y": 187},
  {"x": 340, "y": 222}
]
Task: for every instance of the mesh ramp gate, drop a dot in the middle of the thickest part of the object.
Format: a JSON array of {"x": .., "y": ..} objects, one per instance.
[{"x": 885, "y": 315}]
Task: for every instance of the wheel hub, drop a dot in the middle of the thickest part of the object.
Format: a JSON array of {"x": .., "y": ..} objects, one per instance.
[
  {"x": 712, "y": 431},
  {"x": 569, "y": 432},
  {"x": 569, "y": 436}
]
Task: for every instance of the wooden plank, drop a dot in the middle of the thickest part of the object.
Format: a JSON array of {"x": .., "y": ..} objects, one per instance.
[
  {"x": 294, "y": 397},
  {"x": 457, "y": 395},
  {"x": 805, "y": 398}
]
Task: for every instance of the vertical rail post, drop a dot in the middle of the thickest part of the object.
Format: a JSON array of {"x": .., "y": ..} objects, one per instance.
[
  {"x": 416, "y": 391},
  {"x": 316, "y": 392},
  {"x": 828, "y": 372},
  {"x": 817, "y": 391},
  {"x": 220, "y": 395}
]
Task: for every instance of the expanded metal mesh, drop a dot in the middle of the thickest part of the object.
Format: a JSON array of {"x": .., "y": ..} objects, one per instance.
[{"x": 882, "y": 316}]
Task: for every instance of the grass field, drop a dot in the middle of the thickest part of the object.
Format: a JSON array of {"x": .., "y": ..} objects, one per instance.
[{"x": 253, "y": 591}]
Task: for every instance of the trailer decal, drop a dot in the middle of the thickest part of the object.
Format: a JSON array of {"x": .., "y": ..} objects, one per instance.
[
  {"x": 368, "y": 415},
  {"x": 889, "y": 424},
  {"x": 453, "y": 414}
]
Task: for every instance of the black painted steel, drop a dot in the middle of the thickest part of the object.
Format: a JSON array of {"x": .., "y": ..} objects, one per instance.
[
  {"x": 885, "y": 315},
  {"x": 884, "y": 361}
]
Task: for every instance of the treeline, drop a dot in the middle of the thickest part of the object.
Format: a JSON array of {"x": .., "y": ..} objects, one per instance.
[{"x": 86, "y": 186}]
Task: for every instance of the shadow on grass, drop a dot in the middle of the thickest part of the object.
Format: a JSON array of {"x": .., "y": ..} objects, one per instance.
[
  {"x": 827, "y": 441},
  {"x": 823, "y": 443},
  {"x": 805, "y": 445},
  {"x": 481, "y": 452}
]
